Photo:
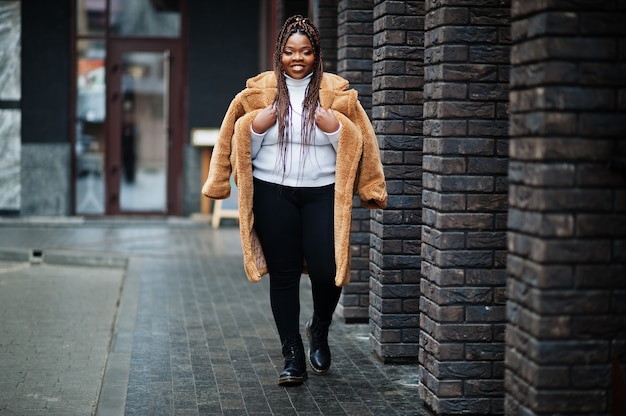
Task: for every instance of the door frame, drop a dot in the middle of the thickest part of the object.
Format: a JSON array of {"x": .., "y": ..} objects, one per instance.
[{"x": 113, "y": 163}]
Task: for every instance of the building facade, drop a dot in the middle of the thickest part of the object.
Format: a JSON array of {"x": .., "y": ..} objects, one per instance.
[{"x": 499, "y": 266}]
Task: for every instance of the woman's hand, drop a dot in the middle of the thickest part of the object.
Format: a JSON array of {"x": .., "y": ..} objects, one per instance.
[
  {"x": 326, "y": 120},
  {"x": 264, "y": 120}
]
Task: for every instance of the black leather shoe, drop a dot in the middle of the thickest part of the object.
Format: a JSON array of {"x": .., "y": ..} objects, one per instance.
[
  {"x": 319, "y": 352},
  {"x": 294, "y": 372}
]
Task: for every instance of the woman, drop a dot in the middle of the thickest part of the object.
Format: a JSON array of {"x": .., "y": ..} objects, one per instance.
[{"x": 300, "y": 146}]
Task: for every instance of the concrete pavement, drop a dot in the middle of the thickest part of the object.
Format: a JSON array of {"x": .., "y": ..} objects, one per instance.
[
  {"x": 55, "y": 330},
  {"x": 156, "y": 317}
]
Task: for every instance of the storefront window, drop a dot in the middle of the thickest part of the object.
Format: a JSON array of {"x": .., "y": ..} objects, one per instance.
[
  {"x": 144, "y": 140},
  {"x": 145, "y": 18},
  {"x": 121, "y": 159},
  {"x": 90, "y": 117},
  {"x": 90, "y": 17}
]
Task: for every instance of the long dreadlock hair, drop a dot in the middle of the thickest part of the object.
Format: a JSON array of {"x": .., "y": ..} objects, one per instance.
[{"x": 301, "y": 25}]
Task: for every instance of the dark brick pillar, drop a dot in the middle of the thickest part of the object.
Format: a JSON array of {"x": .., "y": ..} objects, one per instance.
[
  {"x": 396, "y": 233},
  {"x": 354, "y": 62},
  {"x": 464, "y": 206},
  {"x": 325, "y": 17},
  {"x": 567, "y": 241}
]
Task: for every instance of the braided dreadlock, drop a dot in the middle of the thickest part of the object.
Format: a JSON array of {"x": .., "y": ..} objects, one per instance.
[{"x": 301, "y": 25}]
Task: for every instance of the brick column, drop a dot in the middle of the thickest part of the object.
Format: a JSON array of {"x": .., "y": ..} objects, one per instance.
[
  {"x": 567, "y": 220},
  {"x": 325, "y": 18},
  {"x": 396, "y": 231},
  {"x": 464, "y": 206},
  {"x": 354, "y": 62}
]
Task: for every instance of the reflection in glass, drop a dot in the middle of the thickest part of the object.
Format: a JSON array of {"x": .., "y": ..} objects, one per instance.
[
  {"x": 90, "y": 115},
  {"x": 90, "y": 17},
  {"x": 144, "y": 140},
  {"x": 159, "y": 18}
]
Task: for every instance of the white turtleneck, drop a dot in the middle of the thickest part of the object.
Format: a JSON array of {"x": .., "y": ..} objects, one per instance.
[{"x": 305, "y": 165}]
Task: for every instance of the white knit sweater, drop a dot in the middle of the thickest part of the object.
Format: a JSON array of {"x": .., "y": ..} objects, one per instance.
[{"x": 306, "y": 165}]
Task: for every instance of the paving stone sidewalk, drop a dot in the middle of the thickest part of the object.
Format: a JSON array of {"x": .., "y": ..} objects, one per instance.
[
  {"x": 191, "y": 336},
  {"x": 55, "y": 330}
]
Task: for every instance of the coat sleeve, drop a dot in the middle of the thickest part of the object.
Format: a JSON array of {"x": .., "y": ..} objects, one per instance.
[
  {"x": 217, "y": 184},
  {"x": 370, "y": 181}
]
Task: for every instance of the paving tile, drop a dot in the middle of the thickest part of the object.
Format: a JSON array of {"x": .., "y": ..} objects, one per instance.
[
  {"x": 192, "y": 335},
  {"x": 55, "y": 328}
]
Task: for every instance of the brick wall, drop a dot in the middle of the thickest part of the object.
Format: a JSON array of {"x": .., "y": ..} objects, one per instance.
[
  {"x": 325, "y": 18},
  {"x": 396, "y": 234},
  {"x": 467, "y": 46},
  {"x": 567, "y": 221},
  {"x": 354, "y": 62},
  {"x": 354, "y": 46}
]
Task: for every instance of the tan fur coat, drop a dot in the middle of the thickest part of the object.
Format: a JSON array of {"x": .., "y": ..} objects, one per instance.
[{"x": 359, "y": 169}]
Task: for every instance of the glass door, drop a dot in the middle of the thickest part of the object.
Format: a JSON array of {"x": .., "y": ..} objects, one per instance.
[{"x": 142, "y": 127}]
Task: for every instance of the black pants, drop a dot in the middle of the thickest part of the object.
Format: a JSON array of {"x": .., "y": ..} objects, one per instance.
[{"x": 296, "y": 224}]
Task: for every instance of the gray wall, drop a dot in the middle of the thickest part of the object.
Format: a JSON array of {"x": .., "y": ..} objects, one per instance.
[
  {"x": 45, "y": 132},
  {"x": 46, "y": 34},
  {"x": 223, "y": 53},
  {"x": 46, "y": 179}
]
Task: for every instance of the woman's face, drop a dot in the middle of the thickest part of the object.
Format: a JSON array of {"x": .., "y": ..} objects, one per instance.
[{"x": 298, "y": 56}]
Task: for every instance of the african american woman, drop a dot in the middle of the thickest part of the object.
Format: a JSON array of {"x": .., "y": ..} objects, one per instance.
[{"x": 300, "y": 145}]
